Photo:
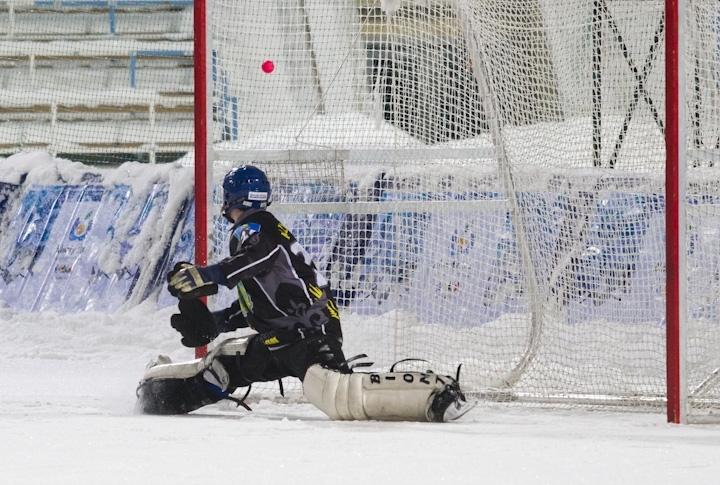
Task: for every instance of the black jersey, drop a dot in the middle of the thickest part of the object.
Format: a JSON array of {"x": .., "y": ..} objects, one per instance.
[{"x": 279, "y": 287}]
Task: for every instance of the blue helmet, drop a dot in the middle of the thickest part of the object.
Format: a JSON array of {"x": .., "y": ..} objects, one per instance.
[{"x": 246, "y": 187}]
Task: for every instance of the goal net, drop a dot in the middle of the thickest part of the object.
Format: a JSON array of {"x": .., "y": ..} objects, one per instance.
[{"x": 483, "y": 182}]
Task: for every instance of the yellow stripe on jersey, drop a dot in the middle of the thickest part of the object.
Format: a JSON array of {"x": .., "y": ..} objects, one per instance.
[
  {"x": 272, "y": 341},
  {"x": 284, "y": 231},
  {"x": 244, "y": 299},
  {"x": 315, "y": 292},
  {"x": 333, "y": 309}
]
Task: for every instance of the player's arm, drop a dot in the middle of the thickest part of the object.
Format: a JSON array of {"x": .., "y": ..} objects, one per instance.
[
  {"x": 230, "y": 318},
  {"x": 256, "y": 256}
]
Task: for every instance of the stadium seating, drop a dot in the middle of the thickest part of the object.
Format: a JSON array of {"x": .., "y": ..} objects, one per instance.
[
  {"x": 110, "y": 79},
  {"x": 85, "y": 19}
]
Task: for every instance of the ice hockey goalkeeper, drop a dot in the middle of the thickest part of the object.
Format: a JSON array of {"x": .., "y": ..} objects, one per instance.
[{"x": 287, "y": 302}]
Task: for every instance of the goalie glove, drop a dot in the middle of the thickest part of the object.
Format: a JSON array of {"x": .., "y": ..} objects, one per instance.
[
  {"x": 195, "y": 323},
  {"x": 187, "y": 281}
]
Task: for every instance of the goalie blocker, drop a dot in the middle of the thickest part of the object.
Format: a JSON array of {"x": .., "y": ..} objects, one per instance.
[{"x": 168, "y": 388}]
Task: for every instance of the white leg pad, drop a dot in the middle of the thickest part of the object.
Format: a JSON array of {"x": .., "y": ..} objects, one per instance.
[
  {"x": 232, "y": 346},
  {"x": 185, "y": 370},
  {"x": 389, "y": 396}
]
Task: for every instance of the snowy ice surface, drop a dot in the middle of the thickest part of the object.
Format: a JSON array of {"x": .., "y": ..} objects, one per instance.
[{"x": 67, "y": 417}]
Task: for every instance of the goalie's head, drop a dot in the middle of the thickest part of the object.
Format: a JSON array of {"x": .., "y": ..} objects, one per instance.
[{"x": 246, "y": 187}]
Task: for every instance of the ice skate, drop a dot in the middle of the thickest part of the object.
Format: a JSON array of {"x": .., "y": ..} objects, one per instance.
[{"x": 449, "y": 403}]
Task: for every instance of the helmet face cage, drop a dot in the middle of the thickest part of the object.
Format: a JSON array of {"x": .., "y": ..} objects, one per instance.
[{"x": 246, "y": 187}]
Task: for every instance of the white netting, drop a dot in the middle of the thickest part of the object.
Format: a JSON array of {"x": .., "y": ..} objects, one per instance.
[{"x": 483, "y": 181}]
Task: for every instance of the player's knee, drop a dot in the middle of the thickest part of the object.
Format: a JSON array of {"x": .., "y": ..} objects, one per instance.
[{"x": 326, "y": 350}]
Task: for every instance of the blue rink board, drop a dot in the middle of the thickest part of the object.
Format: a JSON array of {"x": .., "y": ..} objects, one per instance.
[
  {"x": 63, "y": 239},
  {"x": 461, "y": 269}
]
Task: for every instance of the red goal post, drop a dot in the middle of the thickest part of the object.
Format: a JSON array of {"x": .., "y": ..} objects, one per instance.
[
  {"x": 502, "y": 186},
  {"x": 675, "y": 212}
]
